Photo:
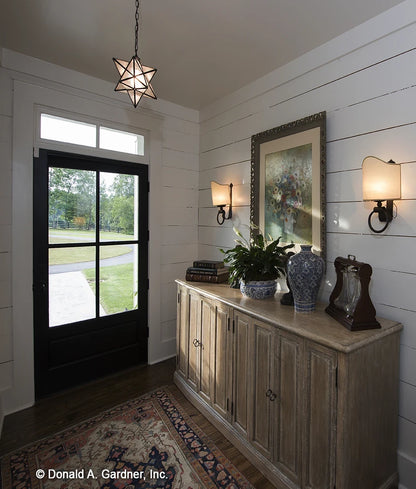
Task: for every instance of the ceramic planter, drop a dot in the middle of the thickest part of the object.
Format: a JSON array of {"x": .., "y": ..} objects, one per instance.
[{"x": 258, "y": 289}]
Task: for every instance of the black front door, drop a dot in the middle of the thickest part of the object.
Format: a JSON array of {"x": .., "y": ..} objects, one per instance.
[{"x": 90, "y": 277}]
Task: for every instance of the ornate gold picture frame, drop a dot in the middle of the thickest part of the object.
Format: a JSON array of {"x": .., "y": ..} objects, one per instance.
[{"x": 288, "y": 167}]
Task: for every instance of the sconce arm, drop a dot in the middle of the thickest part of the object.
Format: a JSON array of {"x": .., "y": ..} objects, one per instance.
[
  {"x": 221, "y": 215},
  {"x": 385, "y": 214}
]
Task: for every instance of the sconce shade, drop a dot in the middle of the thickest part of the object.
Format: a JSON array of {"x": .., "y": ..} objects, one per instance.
[
  {"x": 381, "y": 180},
  {"x": 220, "y": 194}
]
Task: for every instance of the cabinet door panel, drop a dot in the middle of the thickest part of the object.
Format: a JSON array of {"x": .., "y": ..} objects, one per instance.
[
  {"x": 220, "y": 360},
  {"x": 207, "y": 313},
  {"x": 320, "y": 420},
  {"x": 288, "y": 428},
  {"x": 261, "y": 435},
  {"x": 242, "y": 365},
  {"x": 182, "y": 330},
  {"x": 194, "y": 335}
]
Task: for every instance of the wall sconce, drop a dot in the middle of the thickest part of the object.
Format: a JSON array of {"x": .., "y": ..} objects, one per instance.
[
  {"x": 381, "y": 182},
  {"x": 222, "y": 195}
]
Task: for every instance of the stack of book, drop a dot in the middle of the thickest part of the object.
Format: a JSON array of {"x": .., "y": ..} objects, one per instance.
[{"x": 207, "y": 271}]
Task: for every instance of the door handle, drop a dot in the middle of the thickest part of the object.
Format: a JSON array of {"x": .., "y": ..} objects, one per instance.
[{"x": 39, "y": 287}]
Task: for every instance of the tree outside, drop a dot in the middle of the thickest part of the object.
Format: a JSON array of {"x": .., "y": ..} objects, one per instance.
[{"x": 72, "y": 201}]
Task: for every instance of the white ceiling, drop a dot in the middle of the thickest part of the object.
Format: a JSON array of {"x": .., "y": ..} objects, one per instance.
[{"x": 203, "y": 49}]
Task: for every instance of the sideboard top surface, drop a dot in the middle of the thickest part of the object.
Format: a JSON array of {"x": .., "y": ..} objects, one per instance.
[{"x": 317, "y": 326}]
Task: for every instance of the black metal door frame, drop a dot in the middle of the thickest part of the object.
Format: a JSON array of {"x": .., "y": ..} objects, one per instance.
[{"x": 103, "y": 333}]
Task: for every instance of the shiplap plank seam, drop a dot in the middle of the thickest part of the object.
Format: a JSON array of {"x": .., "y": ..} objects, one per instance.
[
  {"x": 395, "y": 307},
  {"x": 225, "y": 145},
  {"x": 408, "y": 420},
  {"x": 227, "y": 164},
  {"x": 352, "y": 73},
  {"x": 358, "y": 201},
  {"x": 370, "y": 234},
  {"x": 342, "y": 171},
  {"x": 233, "y": 122},
  {"x": 224, "y": 166},
  {"x": 374, "y": 131},
  {"x": 180, "y": 151}
]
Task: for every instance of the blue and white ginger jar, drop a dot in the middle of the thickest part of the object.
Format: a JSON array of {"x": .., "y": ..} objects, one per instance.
[{"x": 304, "y": 272}]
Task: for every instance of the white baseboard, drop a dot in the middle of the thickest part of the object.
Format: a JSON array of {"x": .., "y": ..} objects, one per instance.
[
  {"x": 407, "y": 470},
  {"x": 162, "y": 359}
]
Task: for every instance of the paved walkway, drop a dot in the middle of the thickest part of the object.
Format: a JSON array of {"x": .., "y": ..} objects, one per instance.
[
  {"x": 72, "y": 237},
  {"x": 70, "y": 299},
  {"x": 106, "y": 262}
]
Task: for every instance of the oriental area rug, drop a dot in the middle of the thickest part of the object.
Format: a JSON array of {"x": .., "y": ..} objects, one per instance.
[{"x": 148, "y": 442}]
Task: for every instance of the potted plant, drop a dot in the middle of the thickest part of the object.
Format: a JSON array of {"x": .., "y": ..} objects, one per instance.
[{"x": 256, "y": 264}]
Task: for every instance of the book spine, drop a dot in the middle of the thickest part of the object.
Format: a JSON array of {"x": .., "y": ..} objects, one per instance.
[
  {"x": 207, "y": 264},
  {"x": 206, "y": 271},
  {"x": 194, "y": 277},
  {"x": 202, "y": 271}
]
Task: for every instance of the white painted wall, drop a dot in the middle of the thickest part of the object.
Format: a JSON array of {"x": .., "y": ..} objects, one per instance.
[
  {"x": 5, "y": 237},
  {"x": 365, "y": 81},
  {"x": 179, "y": 199},
  {"x": 173, "y": 138}
]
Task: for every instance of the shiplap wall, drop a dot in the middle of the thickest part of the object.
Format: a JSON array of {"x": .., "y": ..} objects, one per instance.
[
  {"x": 5, "y": 237},
  {"x": 180, "y": 165},
  {"x": 366, "y": 82}
]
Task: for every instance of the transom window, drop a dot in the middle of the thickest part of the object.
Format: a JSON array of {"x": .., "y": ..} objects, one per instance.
[{"x": 71, "y": 131}]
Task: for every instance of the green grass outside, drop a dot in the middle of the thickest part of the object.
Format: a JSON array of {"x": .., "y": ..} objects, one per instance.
[
  {"x": 62, "y": 256},
  {"x": 72, "y": 234},
  {"x": 116, "y": 287}
]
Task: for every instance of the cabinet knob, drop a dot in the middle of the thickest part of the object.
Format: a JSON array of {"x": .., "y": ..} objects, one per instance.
[
  {"x": 268, "y": 393},
  {"x": 196, "y": 343},
  {"x": 272, "y": 396}
]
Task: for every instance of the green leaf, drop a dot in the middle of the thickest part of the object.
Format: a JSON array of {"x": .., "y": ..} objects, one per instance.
[{"x": 256, "y": 260}]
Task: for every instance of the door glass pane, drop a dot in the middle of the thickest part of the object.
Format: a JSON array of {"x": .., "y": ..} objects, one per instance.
[
  {"x": 118, "y": 207},
  {"x": 71, "y": 293},
  {"x": 71, "y": 205},
  {"x": 118, "y": 278}
]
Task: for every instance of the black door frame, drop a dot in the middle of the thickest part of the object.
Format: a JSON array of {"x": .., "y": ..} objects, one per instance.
[{"x": 102, "y": 332}]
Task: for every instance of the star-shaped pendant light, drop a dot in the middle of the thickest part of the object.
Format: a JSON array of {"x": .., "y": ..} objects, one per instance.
[{"x": 135, "y": 78}]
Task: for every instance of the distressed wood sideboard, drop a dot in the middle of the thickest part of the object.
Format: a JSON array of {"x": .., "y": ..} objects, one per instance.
[{"x": 310, "y": 403}]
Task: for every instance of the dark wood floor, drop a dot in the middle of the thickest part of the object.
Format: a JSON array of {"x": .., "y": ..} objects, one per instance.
[{"x": 70, "y": 407}]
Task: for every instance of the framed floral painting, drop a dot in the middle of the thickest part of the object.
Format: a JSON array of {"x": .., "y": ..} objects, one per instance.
[{"x": 287, "y": 196}]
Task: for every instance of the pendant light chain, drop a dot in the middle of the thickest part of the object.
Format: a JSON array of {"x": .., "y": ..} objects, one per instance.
[
  {"x": 136, "y": 44},
  {"x": 135, "y": 77}
]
